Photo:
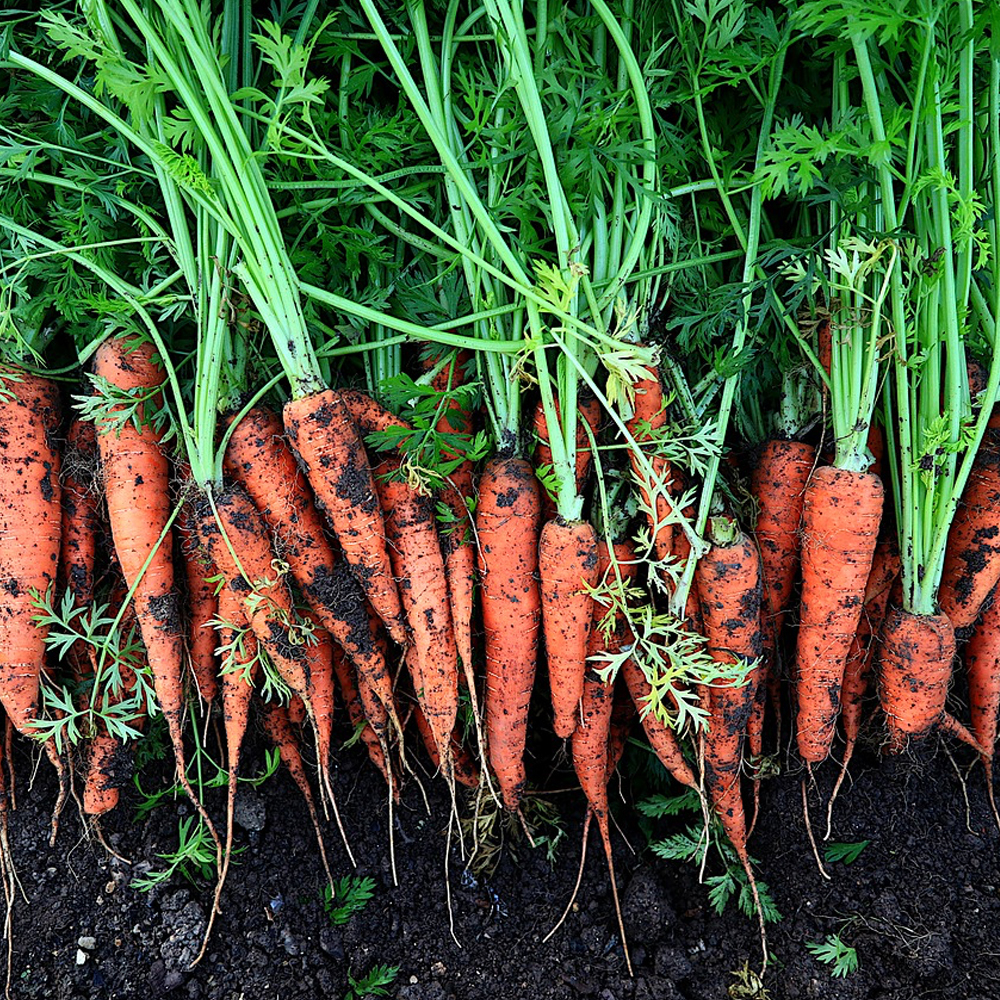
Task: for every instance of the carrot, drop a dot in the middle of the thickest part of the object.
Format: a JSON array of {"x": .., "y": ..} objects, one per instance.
[
  {"x": 914, "y": 675},
  {"x": 239, "y": 643},
  {"x": 332, "y": 455},
  {"x": 417, "y": 563},
  {"x": 202, "y": 605},
  {"x": 589, "y": 408},
  {"x": 590, "y": 741},
  {"x": 982, "y": 662},
  {"x": 319, "y": 653},
  {"x": 729, "y": 584},
  {"x": 463, "y": 763},
  {"x": 649, "y": 416},
  {"x": 356, "y": 713},
  {"x": 972, "y": 554},
  {"x": 137, "y": 486},
  {"x": 507, "y": 527},
  {"x": 279, "y": 731},
  {"x": 241, "y": 550},
  {"x": 840, "y": 522},
  {"x": 259, "y": 458},
  {"x": 568, "y": 564}
]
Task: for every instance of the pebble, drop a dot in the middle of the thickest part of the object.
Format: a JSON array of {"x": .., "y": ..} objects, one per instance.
[
  {"x": 87, "y": 943},
  {"x": 81, "y": 956}
]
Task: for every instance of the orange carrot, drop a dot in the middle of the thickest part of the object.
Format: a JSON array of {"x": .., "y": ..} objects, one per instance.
[
  {"x": 568, "y": 564},
  {"x": 417, "y": 563},
  {"x": 319, "y": 653},
  {"x": 982, "y": 662},
  {"x": 259, "y": 458},
  {"x": 203, "y": 607},
  {"x": 729, "y": 583},
  {"x": 914, "y": 675},
  {"x": 840, "y": 522},
  {"x": 507, "y": 527},
  {"x": 623, "y": 713},
  {"x": 332, "y": 455},
  {"x": 137, "y": 485},
  {"x": 972, "y": 554}
]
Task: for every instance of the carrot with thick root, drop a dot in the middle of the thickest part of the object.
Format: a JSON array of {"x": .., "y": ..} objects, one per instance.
[
  {"x": 914, "y": 676},
  {"x": 137, "y": 486},
  {"x": 31, "y": 529},
  {"x": 507, "y": 527},
  {"x": 235, "y": 538},
  {"x": 259, "y": 458},
  {"x": 202, "y": 607},
  {"x": 589, "y": 408},
  {"x": 729, "y": 584},
  {"x": 982, "y": 663},
  {"x": 280, "y": 733},
  {"x": 238, "y": 671},
  {"x": 840, "y": 524},
  {"x": 418, "y": 564},
  {"x": 972, "y": 554},
  {"x": 332, "y": 455},
  {"x": 568, "y": 565},
  {"x": 884, "y": 573}
]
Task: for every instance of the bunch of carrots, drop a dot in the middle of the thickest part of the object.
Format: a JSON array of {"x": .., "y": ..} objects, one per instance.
[{"x": 481, "y": 465}]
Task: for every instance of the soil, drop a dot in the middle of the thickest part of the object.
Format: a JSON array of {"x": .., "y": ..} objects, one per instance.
[{"x": 921, "y": 904}]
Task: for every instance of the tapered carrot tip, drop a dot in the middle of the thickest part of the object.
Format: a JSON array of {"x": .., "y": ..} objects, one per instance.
[{"x": 917, "y": 654}]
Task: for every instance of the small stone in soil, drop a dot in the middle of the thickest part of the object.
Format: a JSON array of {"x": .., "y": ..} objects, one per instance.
[
  {"x": 87, "y": 943},
  {"x": 249, "y": 810},
  {"x": 81, "y": 956}
]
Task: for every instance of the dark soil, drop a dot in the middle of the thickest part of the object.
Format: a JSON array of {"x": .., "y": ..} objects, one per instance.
[{"x": 921, "y": 904}]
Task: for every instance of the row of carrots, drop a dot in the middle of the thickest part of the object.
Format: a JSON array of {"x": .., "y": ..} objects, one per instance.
[{"x": 308, "y": 504}]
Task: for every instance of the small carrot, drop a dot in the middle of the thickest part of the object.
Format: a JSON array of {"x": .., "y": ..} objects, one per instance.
[
  {"x": 729, "y": 583},
  {"x": 623, "y": 714},
  {"x": 507, "y": 518},
  {"x": 840, "y": 523},
  {"x": 568, "y": 564},
  {"x": 463, "y": 763},
  {"x": 972, "y": 554},
  {"x": 202, "y": 607},
  {"x": 332, "y": 455}
]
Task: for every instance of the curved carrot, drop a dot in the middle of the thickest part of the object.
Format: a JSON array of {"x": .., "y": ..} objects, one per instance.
[
  {"x": 972, "y": 555},
  {"x": 568, "y": 564},
  {"x": 259, "y": 458},
  {"x": 507, "y": 527},
  {"x": 914, "y": 675},
  {"x": 982, "y": 663},
  {"x": 333, "y": 458},
  {"x": 840, "y": 522}
]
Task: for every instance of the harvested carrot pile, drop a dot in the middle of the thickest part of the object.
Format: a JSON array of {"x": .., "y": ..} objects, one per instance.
[{"x": 498, "y": 376}]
